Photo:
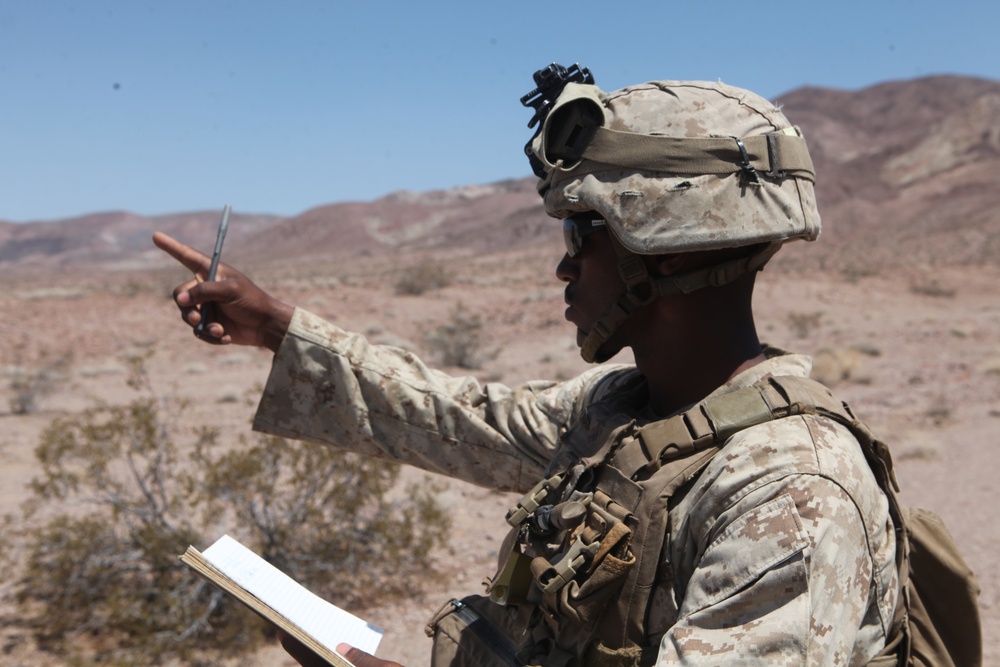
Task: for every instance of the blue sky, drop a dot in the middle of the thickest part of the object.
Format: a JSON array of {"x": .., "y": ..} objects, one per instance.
[{"x": 276, "y": 107}]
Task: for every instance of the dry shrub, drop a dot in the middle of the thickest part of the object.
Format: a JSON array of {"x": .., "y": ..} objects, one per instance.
[
  {"x": 804, "y": 323},
  {"x": 326, "y": 517},
  {"x": 133, "y": 287},
  {"x": 30, "y": 380},
  {"x": 117, "y": 502},
  {"x": 932, "y": 288},
  {"x": 459, "y": 342},
  {"x": 939, "y": 412},
  {"x": 855, "y": 272},
  {"x": 422, "y": 277},
  {"x": 101, "y": 581},
  {"x": 917, "y": 453}
]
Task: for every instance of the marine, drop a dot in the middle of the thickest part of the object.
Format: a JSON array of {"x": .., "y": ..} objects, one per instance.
[{"x": 775, "y": 545}]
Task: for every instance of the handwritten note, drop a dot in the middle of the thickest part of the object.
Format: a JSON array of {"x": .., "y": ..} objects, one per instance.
[{"x": 329, "y": 624}]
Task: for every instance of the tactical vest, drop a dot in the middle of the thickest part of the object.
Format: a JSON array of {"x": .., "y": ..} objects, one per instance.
[{"x": 586, "y": 550}]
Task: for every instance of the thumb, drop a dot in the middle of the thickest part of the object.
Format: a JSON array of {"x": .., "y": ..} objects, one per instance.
[{"x": 359, "y": 658}]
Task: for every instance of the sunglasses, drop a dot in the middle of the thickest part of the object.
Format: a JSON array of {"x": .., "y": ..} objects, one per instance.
[{"x": 579, "y": 227}]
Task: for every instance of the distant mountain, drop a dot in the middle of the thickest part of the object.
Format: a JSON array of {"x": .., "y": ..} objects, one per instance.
[
  {"x": 481, "y": 217},
  {"x": 908, "y": 173},
  {"x": 115, "y": 240}
]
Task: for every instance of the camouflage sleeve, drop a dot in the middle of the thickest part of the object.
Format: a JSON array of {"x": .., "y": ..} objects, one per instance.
[
  {"x": 796, "y": 563},
  {"x": 333, "y": 387}
]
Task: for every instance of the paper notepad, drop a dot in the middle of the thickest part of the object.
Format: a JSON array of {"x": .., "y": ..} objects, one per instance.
[{"x": 282, "y": 600}]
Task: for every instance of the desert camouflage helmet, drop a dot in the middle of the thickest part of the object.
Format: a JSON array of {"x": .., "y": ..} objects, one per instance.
[
  {"x": 672, "y": 166},
  {"x": 677, "y": 166}
]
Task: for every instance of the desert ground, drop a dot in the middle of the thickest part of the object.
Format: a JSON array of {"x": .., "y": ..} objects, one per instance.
[{"x": 915, "y": 352}]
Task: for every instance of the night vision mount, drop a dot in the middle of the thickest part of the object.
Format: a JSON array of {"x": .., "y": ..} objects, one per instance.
[{"x": 549, "y": 84}]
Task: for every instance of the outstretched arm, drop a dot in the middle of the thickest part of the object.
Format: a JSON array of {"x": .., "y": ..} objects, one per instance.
[{"x": 247, "y": 315}]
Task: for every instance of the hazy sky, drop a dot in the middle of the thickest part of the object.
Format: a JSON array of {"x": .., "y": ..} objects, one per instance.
[{"x": 276, "y": 107}]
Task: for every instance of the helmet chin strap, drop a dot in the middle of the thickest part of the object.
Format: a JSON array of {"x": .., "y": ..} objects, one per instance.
[{"x": 641, "y": 289}]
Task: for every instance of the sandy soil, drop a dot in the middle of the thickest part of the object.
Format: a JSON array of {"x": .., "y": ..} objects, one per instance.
[{"x": 917, "y": 355}]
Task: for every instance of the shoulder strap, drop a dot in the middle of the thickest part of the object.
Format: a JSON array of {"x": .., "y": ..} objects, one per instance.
[{"x": 715, "y": 420}]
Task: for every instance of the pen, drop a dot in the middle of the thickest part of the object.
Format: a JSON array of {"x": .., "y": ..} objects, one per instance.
[{"x": 208, "y": 309}]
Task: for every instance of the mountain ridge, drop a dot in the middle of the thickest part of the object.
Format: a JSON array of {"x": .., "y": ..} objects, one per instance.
[{"x": 908, "y": 172}]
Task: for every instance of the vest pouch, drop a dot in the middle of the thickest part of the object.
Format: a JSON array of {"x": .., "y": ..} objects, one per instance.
[
  {"x": 582, "y": 603},
  {"x": 474, "y": 632},
  {"x": 586, "y": 598}
]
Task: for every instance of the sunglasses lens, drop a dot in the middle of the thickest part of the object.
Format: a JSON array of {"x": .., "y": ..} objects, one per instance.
[
  {"x": 576, "y": 229},
  {"x": 572, "y": 238}
]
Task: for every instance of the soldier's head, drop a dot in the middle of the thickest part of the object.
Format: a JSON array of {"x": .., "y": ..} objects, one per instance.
[{"x": 672, "y": 167}]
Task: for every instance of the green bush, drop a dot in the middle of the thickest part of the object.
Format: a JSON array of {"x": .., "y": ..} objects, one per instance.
[{"x": 118, "y": 499}]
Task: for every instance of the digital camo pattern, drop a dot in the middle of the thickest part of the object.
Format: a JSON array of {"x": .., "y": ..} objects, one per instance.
[
  {"x": 782, "y": 550},
  {"x": 654, "y": 213},
  {"x": 785, "y": 549}
]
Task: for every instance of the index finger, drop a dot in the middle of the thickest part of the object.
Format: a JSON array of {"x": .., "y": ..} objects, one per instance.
[{"x": 194, "y": 260}]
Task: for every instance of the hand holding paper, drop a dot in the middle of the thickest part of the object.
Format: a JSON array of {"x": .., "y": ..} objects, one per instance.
[{"x": 299, "y": 613}]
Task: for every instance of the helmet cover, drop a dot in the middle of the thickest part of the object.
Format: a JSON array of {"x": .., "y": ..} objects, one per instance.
[{"x": 628, "y": 155}]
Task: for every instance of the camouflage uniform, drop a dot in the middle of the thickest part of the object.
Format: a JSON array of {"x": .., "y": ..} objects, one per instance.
[{"x": 782, "y": 550}]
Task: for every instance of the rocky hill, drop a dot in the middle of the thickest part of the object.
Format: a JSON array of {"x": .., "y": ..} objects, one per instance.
[
  {"x": 479, "y": 217},
  {"x": 111, "y": 241},
  {"x": 909, "y": 172},
  {"x": 909, "y": 175}
]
